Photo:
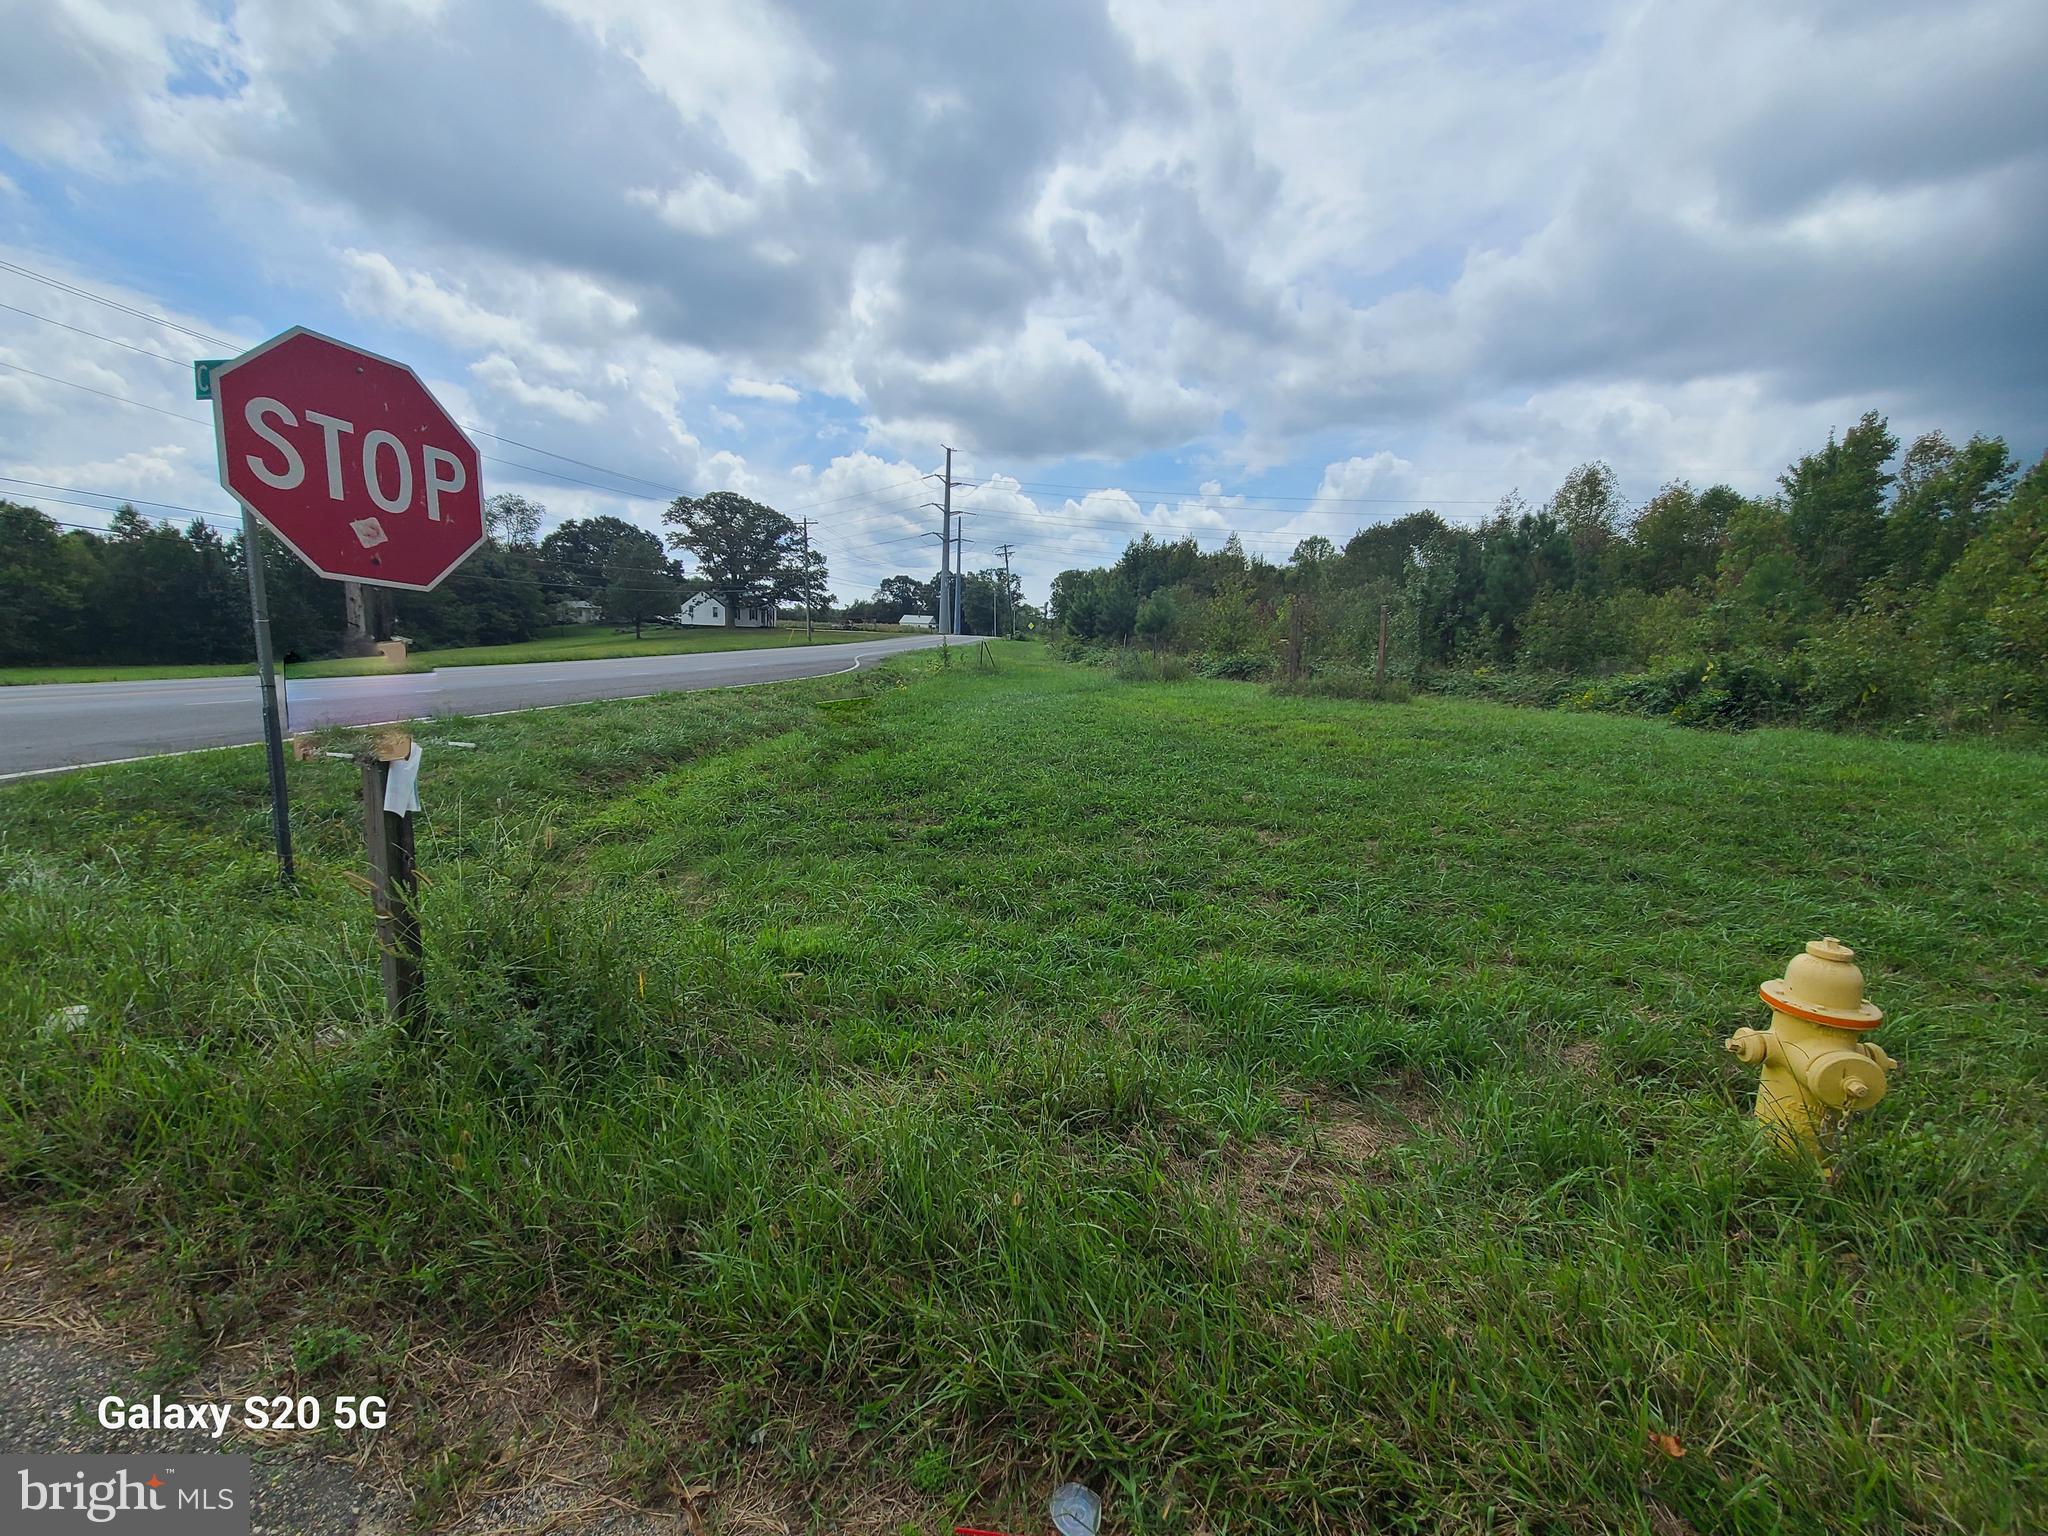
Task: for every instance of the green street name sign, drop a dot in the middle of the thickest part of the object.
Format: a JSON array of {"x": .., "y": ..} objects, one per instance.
[{"x": 202, "y": 376}]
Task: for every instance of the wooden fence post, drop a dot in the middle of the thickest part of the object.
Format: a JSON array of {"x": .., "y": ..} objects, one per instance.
[{"x": 394, "y": 883}]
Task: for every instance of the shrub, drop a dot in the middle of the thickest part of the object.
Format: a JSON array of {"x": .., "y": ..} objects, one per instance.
[
  {"x": 1236, "y": 666},
  {"x": 1347, "y": 683},
  {"x": 1663, "y": 691},
  {"x": 1733, "y": 692},
  {"x": 1749, "y": 688},
  {"x": 1864, "y": 670},
  {"x": 1542, "y": 690},
  {"x": 1135, "y": 666}
]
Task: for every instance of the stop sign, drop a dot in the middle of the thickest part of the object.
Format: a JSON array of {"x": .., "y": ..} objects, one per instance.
[{"x": 346, "y": 457}]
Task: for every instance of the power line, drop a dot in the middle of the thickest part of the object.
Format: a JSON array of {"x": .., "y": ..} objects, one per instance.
[
  {"x": 847, "y": 557},
  {"x": 603, "y": 469},
  {"x": 1200, "y": 494},
  {"x": 126, "y": 309},
  {"x": 105, "y": 394},
  {"x": 199, "y": 421},
  {"x": 162, "y": 357}
]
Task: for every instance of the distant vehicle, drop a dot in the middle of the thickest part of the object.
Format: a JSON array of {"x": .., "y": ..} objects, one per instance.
[
  {"x": 708, "y": 608},
  {"x": 918, "y": 621}
]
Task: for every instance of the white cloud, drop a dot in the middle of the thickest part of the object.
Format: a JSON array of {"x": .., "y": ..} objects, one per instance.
[
  {"x": 754, "y": 389},
  {"x": 499, "y": 372},
  {"x": 701, "y": 206},
  {"x": 1431, "y": 251}
]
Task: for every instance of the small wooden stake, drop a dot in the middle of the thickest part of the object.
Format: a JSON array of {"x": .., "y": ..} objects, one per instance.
[{"x": 394, "y": 883}]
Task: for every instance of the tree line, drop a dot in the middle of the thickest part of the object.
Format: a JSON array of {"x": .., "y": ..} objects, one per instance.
[
  {"x": 1874, "y": 588},
  {"x": 143, "y": 591}
]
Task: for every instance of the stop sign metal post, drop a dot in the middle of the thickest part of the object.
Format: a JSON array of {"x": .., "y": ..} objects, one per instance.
[{"x": 350, "y": 461}]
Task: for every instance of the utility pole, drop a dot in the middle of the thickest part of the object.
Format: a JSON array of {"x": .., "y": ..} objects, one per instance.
[
  {"x": 805, "y": 525},
  {"x": 1005, "y": 550},
  {"x": 1381, "y": 675},
  {"x": 945, "y": 547},
  {"x": 960, "y": 572},
  {"x": 944, "y": 617},
  {"x": 948, "y": 616}
]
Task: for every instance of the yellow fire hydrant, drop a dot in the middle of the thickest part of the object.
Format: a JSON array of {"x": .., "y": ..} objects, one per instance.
[{"x": 1817, "y": 1067}]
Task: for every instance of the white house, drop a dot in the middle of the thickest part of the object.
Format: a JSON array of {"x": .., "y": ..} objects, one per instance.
[
  {"x": 918, "y": 621},
  {"x": 577, "y": 610},
  {"x": 708, "y": 608}
]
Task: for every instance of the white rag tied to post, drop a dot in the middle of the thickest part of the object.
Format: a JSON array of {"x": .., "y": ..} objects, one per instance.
[{"x": 402, "y": 784}]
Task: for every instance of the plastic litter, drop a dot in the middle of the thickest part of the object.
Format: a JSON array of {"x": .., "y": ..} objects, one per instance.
[{"x": 1076, "y": 1511}]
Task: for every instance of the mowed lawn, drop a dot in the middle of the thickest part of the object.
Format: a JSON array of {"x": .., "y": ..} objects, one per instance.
[
  {"x": 887, "y": 1095},
  {"x": 567, "y": 642}
]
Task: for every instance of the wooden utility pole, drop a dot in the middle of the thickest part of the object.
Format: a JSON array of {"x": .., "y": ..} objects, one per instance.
[
  {"x": 366, "y": 618},
  {"x": 806, "y": 526},
  {"x": 394, "y": 881},
  {"x": 1382, "y": 674}
]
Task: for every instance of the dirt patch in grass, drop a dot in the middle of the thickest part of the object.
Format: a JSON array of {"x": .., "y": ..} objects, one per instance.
[
  {"x": 1298, "y": 1178},
  {"x": 1581, "y": 1057}
]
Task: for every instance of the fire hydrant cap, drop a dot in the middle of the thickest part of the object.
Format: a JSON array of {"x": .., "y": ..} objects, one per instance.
[{"x": 1825, "y": 986}]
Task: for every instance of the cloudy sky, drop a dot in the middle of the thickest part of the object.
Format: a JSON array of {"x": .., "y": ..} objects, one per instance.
[{"x": 1276, "y": 269}]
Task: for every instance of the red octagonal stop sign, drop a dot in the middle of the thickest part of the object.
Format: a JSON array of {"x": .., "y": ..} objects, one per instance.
[{"x": 346, "y": 457}]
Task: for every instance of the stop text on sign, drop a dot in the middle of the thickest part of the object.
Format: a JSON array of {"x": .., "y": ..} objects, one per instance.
[
  {"x": 385, "y": 461},
  {"x": 349, "y": 459}
]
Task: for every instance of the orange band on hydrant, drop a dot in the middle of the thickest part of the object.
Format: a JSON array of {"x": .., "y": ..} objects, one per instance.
[{"x": 1814, "y": 1016}]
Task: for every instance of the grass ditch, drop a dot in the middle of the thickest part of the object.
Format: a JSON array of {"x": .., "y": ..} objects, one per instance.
[{"x": 893, "y": 1091}]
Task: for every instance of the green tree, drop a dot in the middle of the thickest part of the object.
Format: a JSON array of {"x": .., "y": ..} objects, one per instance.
[
  {"x": 743, "y": 548},
  {"x": 906, "y": 594},
  {"x": 1835, "y": 509},
  {"x": 577, "y": 554},
  {"x": 1158, "y": 617},
  {"x": 1947, "y": 496},
  {"x": 1989, "y": 617},
  {"x": 307, "y": 610},
  {"x": 493, "y": 598},
  {"x": 512, "y": 521},
  {"x": 1386, "y": 552},
  {"x": 1589, "y": 507},
  {"x": 42, "y": 587},
  {"x": 1147, "y": 564},
  {"x": 1677, "y": 538},
  {"x": 162, "y": 594},
  {"x": 1764, "y": 592},
  {"x": 638, "y": 584},
  {"x": 809, "y": 582},
  {"x": 1313, "y": 558}
]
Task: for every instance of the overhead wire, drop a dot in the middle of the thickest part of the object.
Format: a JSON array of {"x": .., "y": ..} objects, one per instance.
[
  {"x": 1020, "y": 517},
  {"x": 603, "y": 469}
]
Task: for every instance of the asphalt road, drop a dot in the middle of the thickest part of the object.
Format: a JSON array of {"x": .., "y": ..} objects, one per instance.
[{"x": 52, "y": 726}]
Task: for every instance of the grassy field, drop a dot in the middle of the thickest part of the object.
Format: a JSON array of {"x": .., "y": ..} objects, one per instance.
[
  {"x": 884, "y": 1095},
  {"x": 567, "y": 642}
]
